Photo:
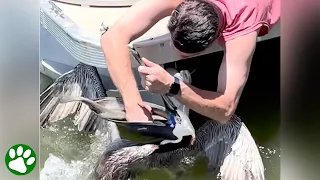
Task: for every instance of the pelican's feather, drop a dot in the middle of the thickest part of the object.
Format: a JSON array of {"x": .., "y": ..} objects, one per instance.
[{"x": 82, "y": 81}]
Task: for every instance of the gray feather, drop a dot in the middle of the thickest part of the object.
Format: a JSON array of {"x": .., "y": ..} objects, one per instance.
[{"x": 82, "y": 81}]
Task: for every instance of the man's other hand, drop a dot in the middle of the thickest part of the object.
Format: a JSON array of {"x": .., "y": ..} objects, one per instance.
[
  {"x": 154, "y": 78},
  {"x": 138, "y": 113}
]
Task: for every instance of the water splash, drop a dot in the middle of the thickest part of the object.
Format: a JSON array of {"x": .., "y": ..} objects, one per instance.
[
  {"x": 271, "y": 159},
  {"x": 269, "y": 152},
  {"x": 57, "y": 168},
  {"x": 70, "y": 154}
]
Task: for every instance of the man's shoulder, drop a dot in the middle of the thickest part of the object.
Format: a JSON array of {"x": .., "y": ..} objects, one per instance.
[{"x": 244, "y": 16}]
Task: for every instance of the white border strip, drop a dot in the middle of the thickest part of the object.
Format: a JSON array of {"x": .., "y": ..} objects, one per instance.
[{"x": 101, "y": 3}]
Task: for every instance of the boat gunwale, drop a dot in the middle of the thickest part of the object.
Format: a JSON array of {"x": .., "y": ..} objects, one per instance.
[{"x": 86, "y": 47}]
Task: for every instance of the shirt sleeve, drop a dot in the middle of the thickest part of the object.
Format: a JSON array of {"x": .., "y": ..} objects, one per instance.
[{"x": 244, "y": 21}]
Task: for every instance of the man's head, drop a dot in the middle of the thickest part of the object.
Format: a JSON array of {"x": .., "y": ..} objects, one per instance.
[{"x": 194, "y": 25}]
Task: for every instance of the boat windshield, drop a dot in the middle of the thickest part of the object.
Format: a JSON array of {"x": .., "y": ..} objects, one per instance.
[{"x": 100, "y": 3}]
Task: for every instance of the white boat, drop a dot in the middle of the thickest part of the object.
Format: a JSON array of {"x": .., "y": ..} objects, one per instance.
[{"x": 70, "y": 33}]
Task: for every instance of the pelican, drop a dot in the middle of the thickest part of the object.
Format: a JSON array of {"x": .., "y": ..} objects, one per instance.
[{"x": 229, "y": 148}]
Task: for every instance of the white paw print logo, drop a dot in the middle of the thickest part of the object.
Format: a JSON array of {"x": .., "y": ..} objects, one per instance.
[{"x": 20, "y": 159}]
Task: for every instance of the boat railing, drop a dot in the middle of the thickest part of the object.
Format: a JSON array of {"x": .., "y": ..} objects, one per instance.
[{"x": 80, "y": 44}]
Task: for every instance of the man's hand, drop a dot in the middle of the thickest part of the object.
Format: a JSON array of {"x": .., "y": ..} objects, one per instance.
[
  {"x": 138, "y": 113},
  {"x": 114, "y": 43},
  {"x": 154, "y": 78}
]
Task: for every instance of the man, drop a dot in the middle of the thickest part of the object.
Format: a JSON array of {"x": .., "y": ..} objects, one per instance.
[{"x": 194, "y": 26}]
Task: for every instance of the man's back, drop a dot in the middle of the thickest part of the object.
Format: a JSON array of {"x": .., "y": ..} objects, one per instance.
[{"x": 244, "y": 16}]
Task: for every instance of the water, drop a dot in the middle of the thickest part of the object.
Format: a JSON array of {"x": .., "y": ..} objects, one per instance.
[
  {"x": 70, "y": 155},
  {"x": 66, "y": 153}
]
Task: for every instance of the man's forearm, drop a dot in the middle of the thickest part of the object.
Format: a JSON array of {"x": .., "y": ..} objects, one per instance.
[
  {"x": 208, "y": 103},
  {"x": 119, "y": 66}
]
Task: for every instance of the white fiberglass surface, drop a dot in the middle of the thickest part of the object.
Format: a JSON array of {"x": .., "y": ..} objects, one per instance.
[
  {"x": 114, "y": 3},
  {"x": 90, "y": 18}
]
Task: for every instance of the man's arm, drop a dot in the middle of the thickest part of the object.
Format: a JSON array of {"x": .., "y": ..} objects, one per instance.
[
  {"x": 233, "y": 75},
  {"x": 135, "y": 22}
]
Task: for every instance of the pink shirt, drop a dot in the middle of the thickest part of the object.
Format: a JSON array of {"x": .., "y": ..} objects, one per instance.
[{"x": 244, "y": 16}]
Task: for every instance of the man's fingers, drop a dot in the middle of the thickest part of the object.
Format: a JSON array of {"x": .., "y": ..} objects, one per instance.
[
  {"x": 144, "y": 70},
  {"x": 142, "y": 76},
  {"x": 150, "y": 78},
  {"x": 147, "y": 83},
  {"x": 148, "y": 63}
]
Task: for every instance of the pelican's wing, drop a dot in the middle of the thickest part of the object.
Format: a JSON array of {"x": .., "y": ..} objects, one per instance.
[
  {"x": 82, "y": 81},
  {"x": 93, "y": 111},
  {"x": 231, "y": 148}
]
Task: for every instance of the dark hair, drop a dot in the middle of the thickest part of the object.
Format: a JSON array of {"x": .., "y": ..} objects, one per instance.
[{"x": 194, "y": 25}]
